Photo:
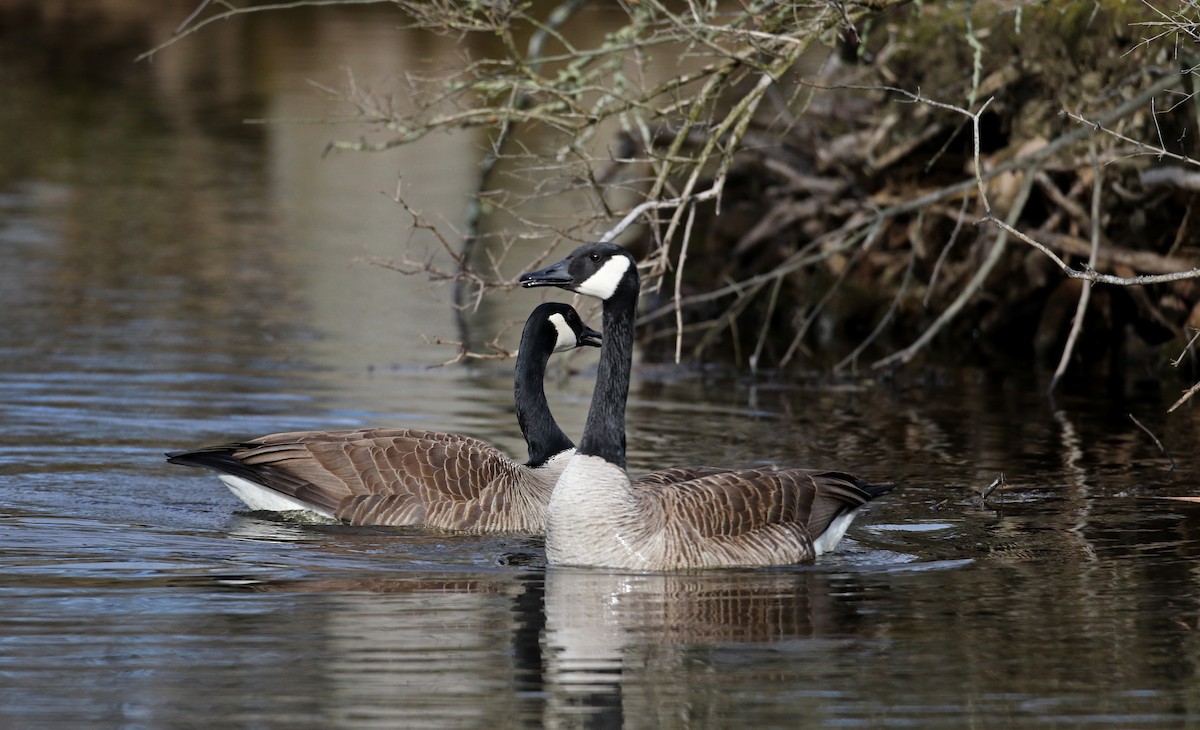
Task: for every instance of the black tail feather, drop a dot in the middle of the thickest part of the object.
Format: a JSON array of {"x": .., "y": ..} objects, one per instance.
[{"x": 224, "y": 460}]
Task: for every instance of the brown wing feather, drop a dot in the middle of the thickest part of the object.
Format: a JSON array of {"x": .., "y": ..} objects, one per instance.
[
  {"x": 677, "y": 474},
  {"x": 382, "y": 476},
  {"x": 735, "y": 503}
]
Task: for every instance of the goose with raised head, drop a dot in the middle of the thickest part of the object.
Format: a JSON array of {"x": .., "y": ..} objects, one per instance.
[
  {"x": 598, "y": 517},
  {"x": 406, "y": 477}
]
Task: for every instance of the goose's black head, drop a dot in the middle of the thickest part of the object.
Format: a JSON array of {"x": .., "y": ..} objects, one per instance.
[
  {"x": 599, "y": 270},
  {"x": 560, "y": 328}
]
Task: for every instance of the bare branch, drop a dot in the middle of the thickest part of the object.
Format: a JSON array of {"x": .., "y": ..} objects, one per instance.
[
  {"x": 1138, "y": 145},
  {"x": 182, "y": 31},
  {"x": 998, "y": 483},
  {"x": 1187, "y": 394},
  {"x": 1157, "y": 443},
  {"x": 1089, "y": 274},
  {"x": 1172, "y": 176},
  {"x": 1086, "y": 294},
  {"x": 680, "y": 87},
  {"x": 1186, "y": 349}
]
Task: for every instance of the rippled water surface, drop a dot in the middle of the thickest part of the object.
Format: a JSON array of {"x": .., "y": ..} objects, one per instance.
[{"x": 172, "y": 277}]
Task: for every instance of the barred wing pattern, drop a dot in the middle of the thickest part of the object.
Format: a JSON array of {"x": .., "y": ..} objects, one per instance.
[
  {"x": 392, "y": 477},
  {"x": 739, "y": 517}
]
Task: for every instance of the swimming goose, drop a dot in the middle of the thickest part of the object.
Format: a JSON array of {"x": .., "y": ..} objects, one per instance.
[
  {"x": 406, "y": 477},
  {"x": 597, "y": 517}
]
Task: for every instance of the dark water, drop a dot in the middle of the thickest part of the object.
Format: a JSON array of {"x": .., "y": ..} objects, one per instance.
[{"x": 172, "y": 278}]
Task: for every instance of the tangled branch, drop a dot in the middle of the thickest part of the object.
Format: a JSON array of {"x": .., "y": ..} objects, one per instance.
[{"x": 817, "y": 180}]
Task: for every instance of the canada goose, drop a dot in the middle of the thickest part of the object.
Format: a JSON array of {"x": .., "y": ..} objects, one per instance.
[
  {"x": 597, "y": 517},
  {"x": 405, "y": 477}
]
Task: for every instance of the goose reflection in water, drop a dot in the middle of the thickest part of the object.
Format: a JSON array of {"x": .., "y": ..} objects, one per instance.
[
  {"x": 644, "y": 650},
  {"x": 585, "y": 647},
  {"x": 557, "y": 647}
]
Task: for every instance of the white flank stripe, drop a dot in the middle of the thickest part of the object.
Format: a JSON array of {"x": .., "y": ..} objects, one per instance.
[
  {"x": 833, "y": 534},
  {"x": 603, "y": 284},
  {"x": 258, "y": 497}
]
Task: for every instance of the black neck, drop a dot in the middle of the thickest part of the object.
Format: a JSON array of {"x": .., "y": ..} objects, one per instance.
[
  {"x": 604, "y": 432},
  {"x": 542, "y": 434}
]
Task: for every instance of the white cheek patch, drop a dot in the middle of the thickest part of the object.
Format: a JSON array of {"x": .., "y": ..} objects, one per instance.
[
  {"x": 567, "y": 340},
  {"x": 603, "y": 284}
]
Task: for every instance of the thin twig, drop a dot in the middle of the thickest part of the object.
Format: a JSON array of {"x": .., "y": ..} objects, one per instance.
[
  {"x": 802, "y": 330},
  {"x": 687, "y": 237},
  {"x": 997, "y": 483},
  {"x": 650, "y": 205},
  {"x": 1086, "y": 294},
  {"x": 766, "y": 325},
  {"x": 852, "y": 358},
  {"x": 1148, "y": 149},
  {"x": 1157, "y": 443},
  {"x": 847, "y": 237},
  {"x": 729, "y": 133},
  {"x": 729, "y": 319},
  {"x": 968, "y": 291},
  {"x": 520, "y": 100},
  {"x": 1187, "y": 394},
  {"x": 1186, "y": 348},
  {"x": 186, "y": 21},
  {"x": 1089, "y": 274},
  {"x": 937, "y": 267},
  {"x": 239, "y": 11}
]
